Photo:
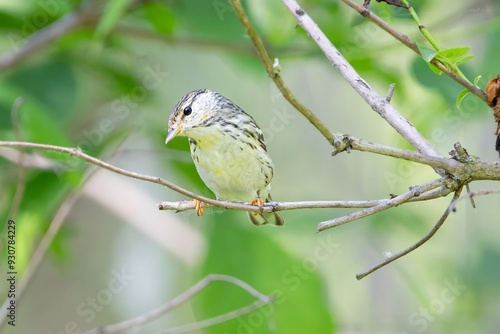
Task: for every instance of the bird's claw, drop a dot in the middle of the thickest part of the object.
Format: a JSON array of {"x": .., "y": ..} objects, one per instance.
[
  {"x": 259, "y": 202},
  {"x": 198, "y": 207}
]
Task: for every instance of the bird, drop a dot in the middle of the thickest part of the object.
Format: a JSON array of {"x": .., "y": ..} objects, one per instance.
[{"x": 228, "y": 150}]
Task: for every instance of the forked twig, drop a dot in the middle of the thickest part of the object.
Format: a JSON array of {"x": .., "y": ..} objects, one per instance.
[
  {"x": 422, "y": 241},
  {"x": 403, "y": 198},
  {"x": 472, "y": 194},
  {"x": 184, "y": 297},
  {"x": 378, "y": 103}
]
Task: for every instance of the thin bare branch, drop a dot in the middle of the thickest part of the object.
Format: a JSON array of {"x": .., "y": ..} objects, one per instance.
[
  {"x": 181, "y": 206},
  {"x": 390, "y": 92},
  {"x": 397, "y": 200},
  {"x": 374, "y": 100},
  {"x": 472, "y": 202},
  {"x": 21, "y": 177},
  {"x": 19, "y": 193},
  {"x": 422, "y": 241},
  {"x": 184, "y": 297},
  {"x": 79, "y": 154},
  {"x": 218, "y": 319},
  {"x": 275, "y": 75},
  {"x": 472, "y": 194},
  {"x": 45, "y": 36},
  {"x": 54, "y": 227}
]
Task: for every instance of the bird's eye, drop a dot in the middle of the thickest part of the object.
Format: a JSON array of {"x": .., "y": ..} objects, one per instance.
[{"x": 188, "y": 111}]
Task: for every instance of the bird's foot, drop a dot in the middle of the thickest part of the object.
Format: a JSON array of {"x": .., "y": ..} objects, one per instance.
[
  {"x": 198, "y": 207},
  {"x": 259, "y": 202}
]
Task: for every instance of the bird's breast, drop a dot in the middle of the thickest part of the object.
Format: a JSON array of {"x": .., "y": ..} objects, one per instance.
[{"x": 232, "y": 168}]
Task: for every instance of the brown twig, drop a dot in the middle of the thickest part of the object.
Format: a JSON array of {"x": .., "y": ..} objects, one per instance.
[
  {"x": 404, "y": 39},
  {"x": 276, "y": 77},
  {"x": 158, "y": 180}
]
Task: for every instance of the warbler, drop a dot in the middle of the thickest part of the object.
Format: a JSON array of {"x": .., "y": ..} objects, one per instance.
[{"x": 228, "y": 150}]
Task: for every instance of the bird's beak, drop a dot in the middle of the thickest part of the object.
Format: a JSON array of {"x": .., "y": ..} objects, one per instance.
[{"x": 172, "y": 133}]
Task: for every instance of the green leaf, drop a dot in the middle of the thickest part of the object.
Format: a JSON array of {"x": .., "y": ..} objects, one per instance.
[
  {"x": 426, "y": 53},
  {"x": 8, "y": 21},
  {"x": 453, "y": 54},
  {"x": 476, "y": 80},
  {"x": 461, "y": 96},
  {"x": 463, "y": 60},
  {"x": 161, "y": 17},
  {"x": 434, "y": 69}
]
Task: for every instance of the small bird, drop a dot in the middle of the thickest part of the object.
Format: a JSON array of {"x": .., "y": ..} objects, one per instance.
[{"x": 228, "y": 150}]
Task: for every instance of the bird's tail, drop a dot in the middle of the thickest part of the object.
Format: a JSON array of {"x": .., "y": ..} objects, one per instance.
[{"x": 266, "y": 218}]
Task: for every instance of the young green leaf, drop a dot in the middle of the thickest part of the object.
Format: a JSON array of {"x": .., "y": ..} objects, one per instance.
[
  {"x": 463, "y": 60},
  {"x": 461, "y": 96},
  {"x": 476, "y": 80},
  {"x": 454, "y": 56},
  {"x": 454, "y": 53}
]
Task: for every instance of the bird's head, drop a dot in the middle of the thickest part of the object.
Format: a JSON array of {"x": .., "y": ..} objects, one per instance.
[{"x": 194, "y": 114}]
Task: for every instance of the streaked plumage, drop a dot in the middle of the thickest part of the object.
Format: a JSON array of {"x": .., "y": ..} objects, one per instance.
[{"x": 227, "y": 148}]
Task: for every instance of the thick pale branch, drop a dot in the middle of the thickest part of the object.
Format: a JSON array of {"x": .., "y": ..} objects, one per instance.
[
  {"x": 422, "y": 241},
  {"x": 346, "y": 142},
  {"x": 403, "y": 198},
  {"x": 184, "y": 297},
  {"x": 377, "y": 102}
]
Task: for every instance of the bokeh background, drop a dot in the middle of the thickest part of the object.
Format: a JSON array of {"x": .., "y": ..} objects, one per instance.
[{"x": 107, "y": 86}]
